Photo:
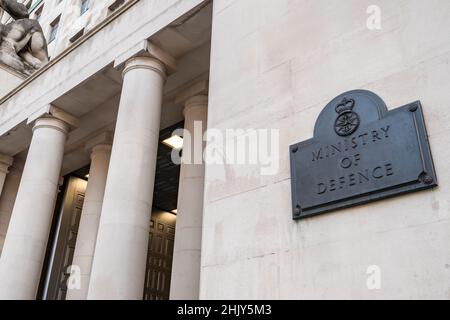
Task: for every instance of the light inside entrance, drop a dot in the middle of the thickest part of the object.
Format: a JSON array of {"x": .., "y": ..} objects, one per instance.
[{"x": 175, "y": 142}]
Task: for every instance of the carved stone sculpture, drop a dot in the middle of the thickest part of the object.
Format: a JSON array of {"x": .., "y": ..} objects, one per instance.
[{"x": 22, "y": 43}]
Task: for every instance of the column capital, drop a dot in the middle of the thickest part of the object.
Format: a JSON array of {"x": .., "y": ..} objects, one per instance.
[
  {"x": 195, "y": 102},
  {"x": 52, "y": 123},
  {"x": 199, "y": 88},
  {"x": 50, "y": 111},
  {"x": 101, "y": 149},
  {"x": 145, "y": 48},
  {"x": 143, "y": 62},
  {"x": 148, "y": 49},
  {"x": 100, "y": 142},
  {"x": 196, "y": 95}
]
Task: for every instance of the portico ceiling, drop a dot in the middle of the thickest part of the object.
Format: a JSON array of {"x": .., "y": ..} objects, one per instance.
[
  {"x": 189, "y": 34},
  {"x": 186, "y": 33},
  {"x": 95, "y": 91}
]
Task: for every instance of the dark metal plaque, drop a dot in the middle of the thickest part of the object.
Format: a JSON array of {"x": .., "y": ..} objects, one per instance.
[{"x": 360, "y": 152}]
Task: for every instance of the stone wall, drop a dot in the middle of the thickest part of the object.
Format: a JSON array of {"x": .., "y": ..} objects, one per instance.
[
  {"x": 72, "y": 22},
  {"x": 275, "y": 65}
]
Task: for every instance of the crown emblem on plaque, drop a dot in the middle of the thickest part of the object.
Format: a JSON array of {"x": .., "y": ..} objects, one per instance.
[
  {"x": 348, "y": 121},
  {"x": 345, "y": 105}
]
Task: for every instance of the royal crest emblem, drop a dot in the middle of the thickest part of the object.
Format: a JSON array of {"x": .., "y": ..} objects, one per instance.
[{"x": 348, "y": 121}]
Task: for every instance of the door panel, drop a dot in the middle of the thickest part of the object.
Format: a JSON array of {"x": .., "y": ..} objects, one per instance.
[
  {"x": 66, "y": 238},
  {"x": 160, "y": 254}
]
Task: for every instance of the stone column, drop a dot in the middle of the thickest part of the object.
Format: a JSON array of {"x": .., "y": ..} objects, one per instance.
[
  {"x": 90, "y": 218},
  {"x": 185, "y": 281},
  {"x": 8, "y": 197},
  {"x": 5, "y": 163},
  {"x": 119, "y": 265},
  {"x": 26, "y": 240}
]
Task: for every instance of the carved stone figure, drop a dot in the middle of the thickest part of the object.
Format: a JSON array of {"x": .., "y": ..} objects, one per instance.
[
  {"x": 22, "y": 42},
  {"x": 15, "y": 9}
]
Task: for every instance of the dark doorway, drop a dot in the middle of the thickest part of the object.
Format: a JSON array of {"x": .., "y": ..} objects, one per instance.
[
  {"x": 160, "y": 256},
  {"x": 162, "y": 225},
  {"x": 63, "y": 248}
]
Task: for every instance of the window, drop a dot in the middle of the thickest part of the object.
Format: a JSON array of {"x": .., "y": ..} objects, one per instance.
[
  {"x": 84, "y": 6},
  {"x": 54, "y": 26},
  {"x": 38, "y": 13},
  {"x": 115, "y": 5},
  {"x": 77, "y": 36},
  {"x": 27, "y": 4}
]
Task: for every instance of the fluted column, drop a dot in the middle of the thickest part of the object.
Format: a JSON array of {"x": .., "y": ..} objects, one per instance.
[
  {"x": 27, "y": 236},
  {"x": 90, "y": 218},
  {"x": 185, "y": 281},
  {"x": 5, "y": 163},
  {"x": 8, "y": 197},
  {"x": 119, "y": 265}
]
